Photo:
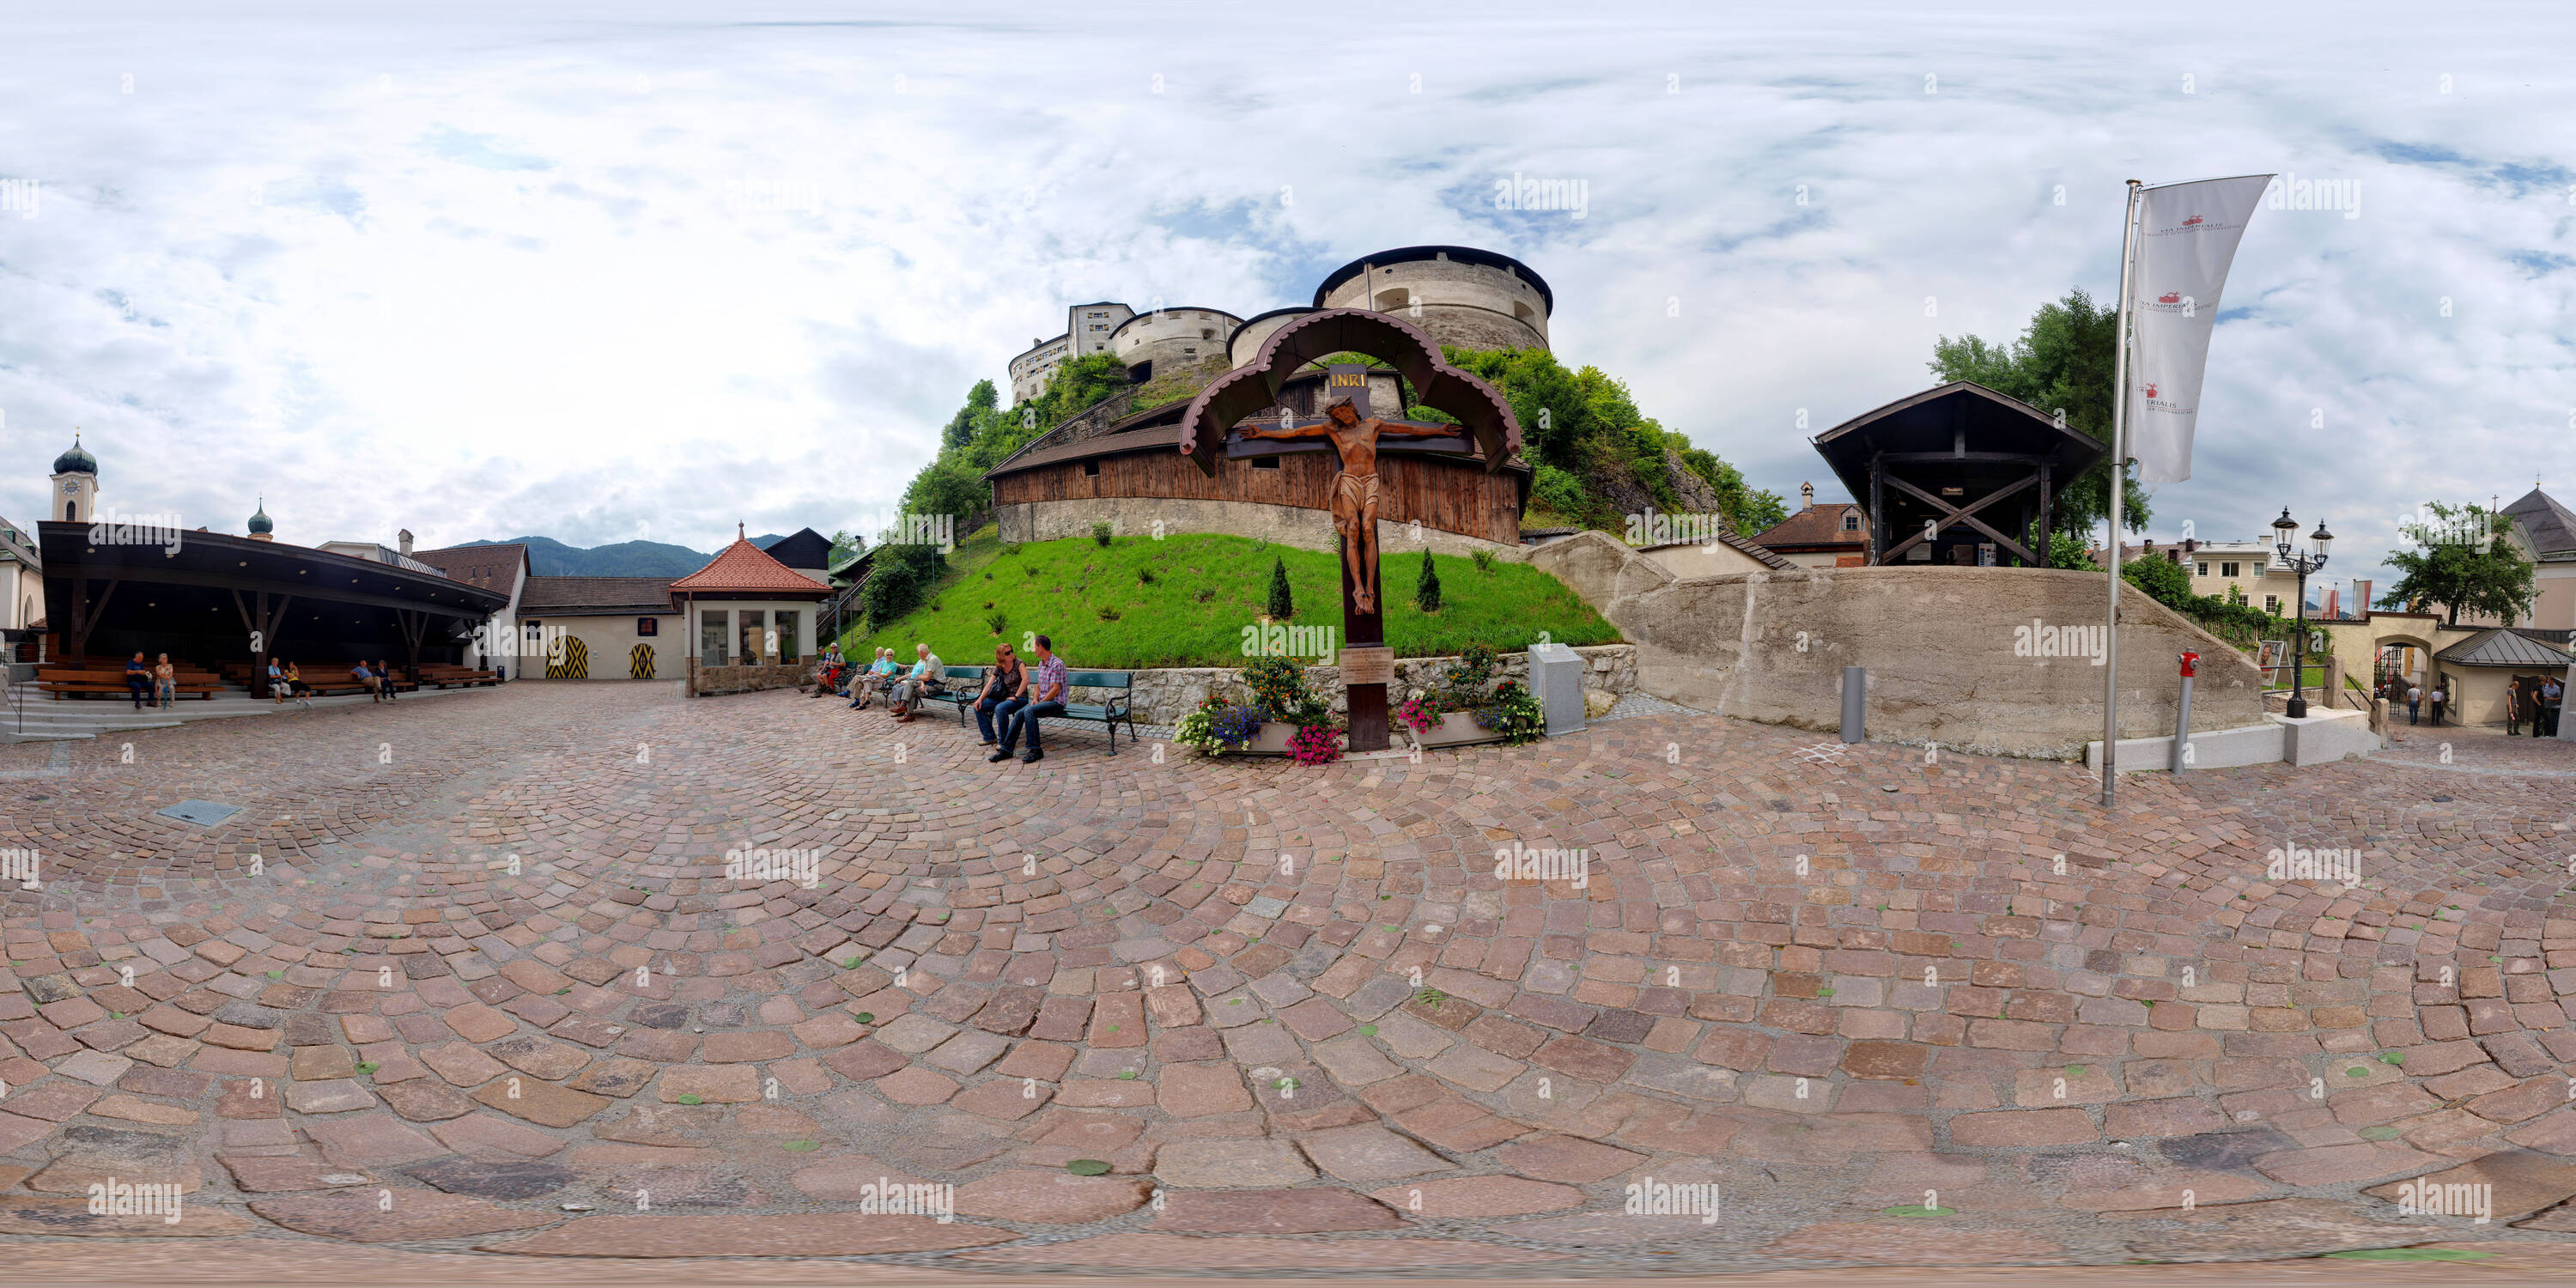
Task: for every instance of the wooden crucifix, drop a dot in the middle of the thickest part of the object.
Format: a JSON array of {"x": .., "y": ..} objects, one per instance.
[{"x": 1356, "y": 497}]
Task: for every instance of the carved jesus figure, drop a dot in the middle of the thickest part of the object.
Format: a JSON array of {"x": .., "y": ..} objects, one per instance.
[{"x": 1356, "y": 492}]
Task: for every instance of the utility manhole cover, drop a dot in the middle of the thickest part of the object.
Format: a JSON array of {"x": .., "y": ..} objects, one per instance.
[{"x": 201, "y": 813}]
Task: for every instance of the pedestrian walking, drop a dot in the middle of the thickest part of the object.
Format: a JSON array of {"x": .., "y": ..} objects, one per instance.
[
  {"x": 2439, "y": 695},
  {"x": 2414, "y": 701}
]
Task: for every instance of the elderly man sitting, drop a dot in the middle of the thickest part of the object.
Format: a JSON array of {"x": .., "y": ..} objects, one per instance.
[
  {"x": 926, "y": 674},
  {"x": 871, "y": 684}
]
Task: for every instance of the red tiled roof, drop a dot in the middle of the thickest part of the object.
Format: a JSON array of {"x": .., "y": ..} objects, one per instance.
[
  {"x": 1817, "y": 525},
  {"x": 744, "y": 567}
]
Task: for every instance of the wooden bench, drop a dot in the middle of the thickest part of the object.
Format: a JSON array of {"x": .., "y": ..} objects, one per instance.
[
  {"x": 87, "y": 679},
  {"x": 445, "y": 674}
]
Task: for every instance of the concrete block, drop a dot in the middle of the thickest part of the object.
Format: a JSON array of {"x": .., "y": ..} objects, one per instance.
[
  {"x": 2326, "y": 735},
  {"x": 2260, "y": 744}
]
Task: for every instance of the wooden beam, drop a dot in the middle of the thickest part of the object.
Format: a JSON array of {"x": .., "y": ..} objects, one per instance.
[
  {"x": 1879, "y": 511},
  {"x": 1951, "y": 514}
]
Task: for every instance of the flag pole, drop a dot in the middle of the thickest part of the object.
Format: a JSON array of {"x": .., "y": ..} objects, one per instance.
[{"x": 2119, "y": 485}]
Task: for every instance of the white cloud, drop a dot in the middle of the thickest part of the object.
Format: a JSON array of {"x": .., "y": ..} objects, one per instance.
[{"x": 478, "y": 273}]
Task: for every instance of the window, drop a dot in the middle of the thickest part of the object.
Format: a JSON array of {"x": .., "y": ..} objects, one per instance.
[
  {"x": 711, "y": 636},
  {"x": 1091, "y": 469},
  {"x": 2258, "y": 567},
  {"x": 648, "y": 626},
  {"x": 1207, "y": 333},
  {"x": 2202, "y": 569},
  {"x": 1395, "y": 301},
  {"x": 1851, "y": 523},
  {"x": 753, "y": 624},
  {"x": 1265, "y": 462},
  {"x": 2272, "y": 604},
  {"x": 2227, "y": 568},
  {"x": 786, "y": 620}
]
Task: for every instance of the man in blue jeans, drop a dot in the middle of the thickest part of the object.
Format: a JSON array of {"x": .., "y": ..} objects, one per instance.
[{"x": 1047, "y": 691}]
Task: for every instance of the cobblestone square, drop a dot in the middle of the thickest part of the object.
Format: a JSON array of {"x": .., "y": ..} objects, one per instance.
[{"x": 470, "y": 978}]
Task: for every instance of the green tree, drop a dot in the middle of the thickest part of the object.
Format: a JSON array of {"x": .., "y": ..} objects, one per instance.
[
  {"x": 2463, "y": 560},
  {"x": 2164, "y": 581},
  {"x": 899, "y": 578},
  {"x": 1426, "y": 588},
  {"x": 2067, "y": 550},
  {"x": 963, "y": 426},
  {"x": 2063, "y": 362},
  {"x": 1282, "y": 606},
  {"x": 1586, "y": 424}
]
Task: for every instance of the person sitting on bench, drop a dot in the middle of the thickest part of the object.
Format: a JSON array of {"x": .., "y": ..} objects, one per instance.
[
  {"x": 296, "y": 688},
  {"x": 927, "y": 674},
  {"x": 138, "y": 681},
  {"x": 165, "y": 681},
  {"x": 360, "y": 673},
  {"x": 1005, "y": 692},
  {"x": 1047, "y": 700},
  {"x": 872, "y": 683}
]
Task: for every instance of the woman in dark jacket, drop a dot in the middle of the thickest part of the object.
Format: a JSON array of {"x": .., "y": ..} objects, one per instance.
[{"x": 1005, "y": 692}]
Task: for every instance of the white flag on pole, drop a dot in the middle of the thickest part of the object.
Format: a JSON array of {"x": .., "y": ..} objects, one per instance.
[{"x": 2188, "y": 236}]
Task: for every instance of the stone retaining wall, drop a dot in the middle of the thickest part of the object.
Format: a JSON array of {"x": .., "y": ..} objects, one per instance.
[
  {"x": 1164, "y": 694},
  {"x": 708, "y": 681},
  {"x": 1946, "y": 648}
]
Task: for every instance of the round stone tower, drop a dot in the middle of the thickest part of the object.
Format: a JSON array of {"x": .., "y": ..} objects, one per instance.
[{"x": 1458, "y": 295}]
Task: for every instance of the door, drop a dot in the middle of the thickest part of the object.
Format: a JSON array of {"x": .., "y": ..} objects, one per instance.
[
  {"x": 751, "y": 624},
  {"x": 573, "y": 663}
]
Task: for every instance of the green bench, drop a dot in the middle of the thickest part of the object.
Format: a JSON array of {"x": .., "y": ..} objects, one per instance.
[
  {"x": 964, "y": 685},
  {"x": 1112, "y": 713}
]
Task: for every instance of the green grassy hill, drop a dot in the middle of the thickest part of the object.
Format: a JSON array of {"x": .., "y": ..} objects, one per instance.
[{"x": 1204, "y": 590}]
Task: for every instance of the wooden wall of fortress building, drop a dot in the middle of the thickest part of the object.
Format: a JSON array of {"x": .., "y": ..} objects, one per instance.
[
  {"x": 1939, "y": 642},
  {"x": 1459, "y": 505}
]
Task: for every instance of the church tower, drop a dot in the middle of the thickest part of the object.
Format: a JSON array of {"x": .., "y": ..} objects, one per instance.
[{"x": 75, "y": 491}]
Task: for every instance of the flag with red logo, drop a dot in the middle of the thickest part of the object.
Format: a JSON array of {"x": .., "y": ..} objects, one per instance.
[{"x": 2187, "y": 238}]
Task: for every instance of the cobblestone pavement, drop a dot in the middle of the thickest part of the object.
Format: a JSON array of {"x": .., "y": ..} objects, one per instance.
[{"x": 469, "y": 979}]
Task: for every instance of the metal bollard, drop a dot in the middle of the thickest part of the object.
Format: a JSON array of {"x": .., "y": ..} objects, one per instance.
[
  {"x": 2182, "y": 717},
  {"x": 1855, "y": 703}
]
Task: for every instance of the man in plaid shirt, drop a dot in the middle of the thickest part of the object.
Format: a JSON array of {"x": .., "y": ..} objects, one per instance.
[{"x": 1046, "y": 698}]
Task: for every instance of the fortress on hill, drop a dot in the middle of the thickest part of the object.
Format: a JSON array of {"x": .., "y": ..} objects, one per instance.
[{"x": 1117, "y": 461}]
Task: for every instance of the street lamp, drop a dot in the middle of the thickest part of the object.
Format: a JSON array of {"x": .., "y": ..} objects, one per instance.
[{"x": 2285, "y": 531}]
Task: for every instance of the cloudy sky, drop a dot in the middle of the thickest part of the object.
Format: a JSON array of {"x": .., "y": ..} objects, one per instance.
[{"x": 600, "y": 271}]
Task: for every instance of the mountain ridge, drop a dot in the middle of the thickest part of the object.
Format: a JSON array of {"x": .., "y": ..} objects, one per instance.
[{"x": 548, "y": 557}]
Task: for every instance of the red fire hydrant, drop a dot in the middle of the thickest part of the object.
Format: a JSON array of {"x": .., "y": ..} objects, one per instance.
[{"x": 2188, "y": 661}]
